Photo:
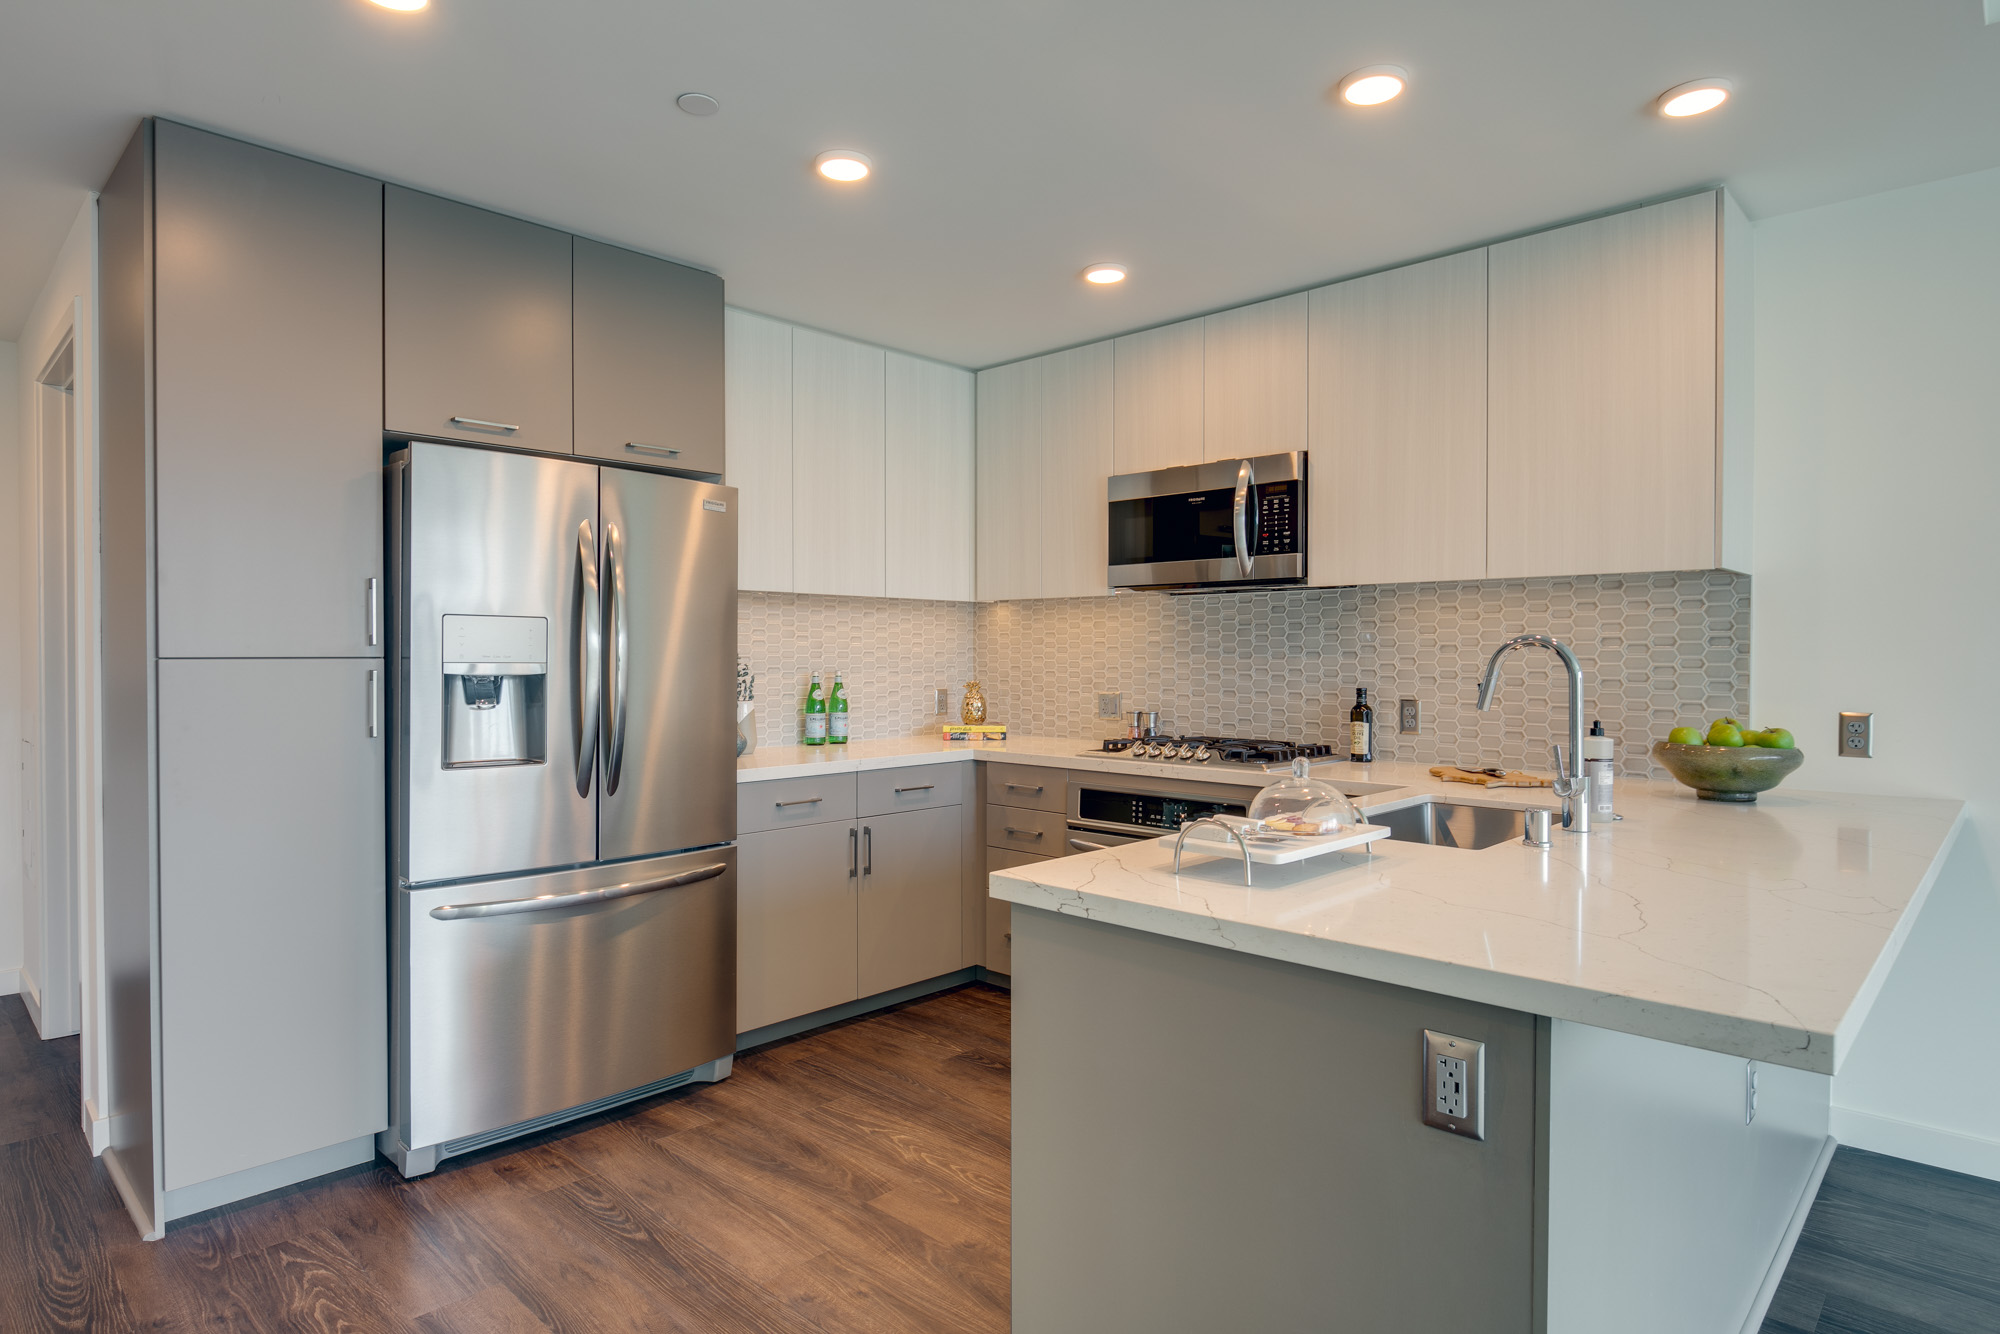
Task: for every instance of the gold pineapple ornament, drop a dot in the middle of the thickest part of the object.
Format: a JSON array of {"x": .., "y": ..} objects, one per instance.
[{"x": 973, "y": 710}]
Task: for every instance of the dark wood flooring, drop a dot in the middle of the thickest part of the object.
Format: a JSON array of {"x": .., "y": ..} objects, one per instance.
[
  {"x": 1894, "y": 1247},
  {"x": 853, "y": 1179}
]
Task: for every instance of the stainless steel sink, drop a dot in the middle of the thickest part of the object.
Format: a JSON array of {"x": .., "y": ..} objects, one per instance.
[{"x": 1446, "y": 825}]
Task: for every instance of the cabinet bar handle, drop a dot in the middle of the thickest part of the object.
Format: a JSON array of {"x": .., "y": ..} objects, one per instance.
[
  {"x": 374, "y": 702},
  {"x": 802, "y": 801},
  {"x": 638, "y": 448},
  {"x": 1025, "y": 833},
  {"x": 484, "y": 425},
  {"x": 1019, "y": 787},
  {"x": 867, "y": 850},
  {"x": 921, "y": 787},
  {"x": 853, "y": 853},
  {"x": 580, "y": 898},
  {"x": 374, "y": 612}
]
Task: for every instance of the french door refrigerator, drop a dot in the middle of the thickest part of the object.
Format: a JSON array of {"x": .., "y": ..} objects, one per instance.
[{"x": 562, "y": 791}]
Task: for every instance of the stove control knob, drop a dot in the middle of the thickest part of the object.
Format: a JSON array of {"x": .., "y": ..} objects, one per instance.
[
  {"x": 1203, "y": 754},
  {"x": 1149, "y": 750}
]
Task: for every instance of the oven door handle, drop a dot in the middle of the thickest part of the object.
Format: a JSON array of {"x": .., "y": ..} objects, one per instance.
[
  {"x": 1085, "y": 845},
  {"x": 1246, "y": 496}
]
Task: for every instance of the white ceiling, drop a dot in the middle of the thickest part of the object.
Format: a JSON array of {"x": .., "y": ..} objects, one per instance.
[{"x": 1014, "y": 142}]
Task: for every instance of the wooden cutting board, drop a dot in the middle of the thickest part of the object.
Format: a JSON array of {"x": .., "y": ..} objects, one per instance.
[{"x": 1485, "y": 778}]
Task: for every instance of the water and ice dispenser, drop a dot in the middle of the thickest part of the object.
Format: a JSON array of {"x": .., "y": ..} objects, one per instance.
[{"x": 496, "y": 675}]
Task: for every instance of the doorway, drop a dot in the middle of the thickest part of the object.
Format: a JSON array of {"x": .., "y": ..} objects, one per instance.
[{"x": 52, "y": 973}]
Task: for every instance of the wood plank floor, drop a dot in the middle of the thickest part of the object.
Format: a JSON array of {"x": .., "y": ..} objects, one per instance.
[
  {"x": 853, "y": 1179},
  {"x": 1894, "y": 1247}
]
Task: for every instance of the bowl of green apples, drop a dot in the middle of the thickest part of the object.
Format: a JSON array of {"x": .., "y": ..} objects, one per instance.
[{"x": 1730, "y": 762}]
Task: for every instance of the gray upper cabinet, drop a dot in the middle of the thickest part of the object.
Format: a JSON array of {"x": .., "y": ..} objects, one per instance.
[
  {"x": 477, "y": 325},
  {"x": 648, "y": 359},
  {"x": 268, "y": 506}
]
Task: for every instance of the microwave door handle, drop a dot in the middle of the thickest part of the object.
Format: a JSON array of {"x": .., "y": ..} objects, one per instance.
[
  {"x": 586, "y": 660},
  {"x": 1246, "y": 494},
  {"x": 616, "y": 666}
]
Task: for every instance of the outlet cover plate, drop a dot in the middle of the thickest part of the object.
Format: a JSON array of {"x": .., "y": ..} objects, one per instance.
[
  {"x": 1454, "y": 1084},
  {"x": 941, "y": 700},
  {"x": 1110, "y": 703},
  {"x": 1406, "y": 716},
  {"x": 1857, "y": 735}
]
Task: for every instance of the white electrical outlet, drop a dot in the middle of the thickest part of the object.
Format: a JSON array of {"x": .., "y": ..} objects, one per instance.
[
  {"x": 1406, "y": 716},
  {"x": 941, "y": 700},
  {"x": 1454, "y": 1086},
  {"x": 1110, "y": 703}
]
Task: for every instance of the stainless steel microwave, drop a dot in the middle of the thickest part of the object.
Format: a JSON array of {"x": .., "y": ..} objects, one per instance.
[{"x": 1210, "y": 525}]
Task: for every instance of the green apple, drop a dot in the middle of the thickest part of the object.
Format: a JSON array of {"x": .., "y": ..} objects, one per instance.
[
  {"x": 1684, "y": 736},
  {"x": 1754, "y": 738},
  {"x": 1777, "y": 738},
  {"x": 1725, "y": 732}
]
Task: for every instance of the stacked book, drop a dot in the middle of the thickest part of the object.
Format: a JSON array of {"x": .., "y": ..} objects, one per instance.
[{"x": 975, "y": 731}]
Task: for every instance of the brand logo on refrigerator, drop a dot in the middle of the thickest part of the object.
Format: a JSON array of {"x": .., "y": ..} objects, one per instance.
[{"x": 719, "y": 506}]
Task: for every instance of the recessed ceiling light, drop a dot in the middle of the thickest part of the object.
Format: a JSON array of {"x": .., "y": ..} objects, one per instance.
[
  {"x": 1691, "y": 99},
  {"x": 1104, "y": 274},
  {"x": 404, "y": 5},
  {"x": 841, "y": 164},
  {"x": 1372, "y": 85},
  {"x": 697, "y": 104}
]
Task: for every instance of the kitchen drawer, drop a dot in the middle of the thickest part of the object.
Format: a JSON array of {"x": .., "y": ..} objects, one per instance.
[
  {"x": 779, "y": 803},
  {"x": 999, "y": 955},
  {"x": 914, "y": 788},
  {"x": 1027, "y": 785},
  {"x": 1018, "y": 830}
]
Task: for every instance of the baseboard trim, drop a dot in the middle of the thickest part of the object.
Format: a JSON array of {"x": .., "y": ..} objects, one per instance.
[
  {"x": 10, "y": 981},
  {"x": 96, "y": 1128},
  {"x": 833, "y": 1014},
  {"x": 186, "y": 1201},
  {"x": 137, "y": 1203},
  {"x": 1930, "y": 1145},
  {"x": 31, "y": 998},
  {"x": 1760, "y": 1305}
]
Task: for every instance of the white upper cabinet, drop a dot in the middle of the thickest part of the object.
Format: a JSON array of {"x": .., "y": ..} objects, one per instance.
[
  {"x": 837, "y": 465},
  {"x": 757, "y": 378},
  {"x": 928, "y": 483},
  {"x": 1254, "y": 379},
  {"x": 1156, "y": 411},
  {"x": 1604, "y": 453},
  {"x": 1398, "y": 463},
  {"x": 1045, "y": 450}
]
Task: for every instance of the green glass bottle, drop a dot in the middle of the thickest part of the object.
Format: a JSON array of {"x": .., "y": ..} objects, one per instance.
[
  {"x": 836, "y": 713},
  {"x": 815, "y": 714}
]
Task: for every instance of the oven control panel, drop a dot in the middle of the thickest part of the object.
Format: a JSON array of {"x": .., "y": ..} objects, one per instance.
[
  {"x": 1277, "y": 519},
  {"x": 1143, "y": 812}
]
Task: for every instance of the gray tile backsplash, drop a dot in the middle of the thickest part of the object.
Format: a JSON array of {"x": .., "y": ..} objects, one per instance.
[{"x": 1656, "y": 650}]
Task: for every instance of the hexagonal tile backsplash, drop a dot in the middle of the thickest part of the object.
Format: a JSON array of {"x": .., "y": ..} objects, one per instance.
[{"x": 1656, "y": 650}]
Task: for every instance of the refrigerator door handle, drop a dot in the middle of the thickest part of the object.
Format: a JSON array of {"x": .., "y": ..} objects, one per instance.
[
  {"x": 615, "y": 657},
  {"x": 587, "y": 652},
  {"x": 452, "y": 912}
]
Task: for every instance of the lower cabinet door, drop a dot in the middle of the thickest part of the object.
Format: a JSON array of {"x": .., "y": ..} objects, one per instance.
[
  {"x": 909, "y": 897},
  {"x": 999, "y": 919},
  {"x": 795, "y": 921},
  {"x": 273, "y": 953}
]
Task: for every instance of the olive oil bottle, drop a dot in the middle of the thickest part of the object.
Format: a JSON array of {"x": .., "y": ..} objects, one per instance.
[{"x": 1361, "y": 729}]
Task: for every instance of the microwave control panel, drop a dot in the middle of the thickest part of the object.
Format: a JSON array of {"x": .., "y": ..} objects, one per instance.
[{"x": 1277, "y": 519}]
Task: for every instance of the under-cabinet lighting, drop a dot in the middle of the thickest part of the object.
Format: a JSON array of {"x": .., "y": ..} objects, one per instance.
[
  {"x": 407, "y": 6},
  {"x": 1691, "y": 99},
  {"x": 1373, "y": 85},
  {"x": 1104, "y": 274},
  {"x": 841, "y": 164}
]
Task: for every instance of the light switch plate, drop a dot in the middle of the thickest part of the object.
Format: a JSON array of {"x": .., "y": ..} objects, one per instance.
[
  {"x": 1454, "y": 1084},
  {"x": 1857, "y": 735}
]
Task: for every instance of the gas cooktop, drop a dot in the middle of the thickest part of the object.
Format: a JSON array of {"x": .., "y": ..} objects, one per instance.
[{"x": 1238, "y": 752}]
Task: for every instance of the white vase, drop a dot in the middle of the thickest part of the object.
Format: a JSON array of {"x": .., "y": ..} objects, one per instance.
[{"x": 746, "y": 727}]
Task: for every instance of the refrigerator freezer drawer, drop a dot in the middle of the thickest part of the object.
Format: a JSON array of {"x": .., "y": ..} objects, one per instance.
[{"x": 525, "y": 997}]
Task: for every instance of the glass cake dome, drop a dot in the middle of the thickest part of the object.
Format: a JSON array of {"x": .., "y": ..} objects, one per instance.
[{"x": 1303, "y": 806}]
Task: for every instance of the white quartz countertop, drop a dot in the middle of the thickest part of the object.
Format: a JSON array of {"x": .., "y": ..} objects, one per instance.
[{"x": 1764, "y": 931}]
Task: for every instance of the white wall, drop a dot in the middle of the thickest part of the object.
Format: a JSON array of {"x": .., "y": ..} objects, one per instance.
[
  {"x": 1877, "y": 587},
  {"x": 11, "y": 951}
]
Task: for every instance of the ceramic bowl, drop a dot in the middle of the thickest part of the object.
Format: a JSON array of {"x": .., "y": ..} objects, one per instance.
[{"x": 1727, "y": 773}]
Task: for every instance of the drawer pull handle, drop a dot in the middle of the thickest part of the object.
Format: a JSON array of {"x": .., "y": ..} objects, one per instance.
[
  {"x": 1020, "y": 787},
  {"x": 484, "y": 425},
  {"x": 802, "y": 801},
  {"x": 921, "y": 787},
  {"x": 638, "y": 448},
  {"x": 1025, "y": 833}
]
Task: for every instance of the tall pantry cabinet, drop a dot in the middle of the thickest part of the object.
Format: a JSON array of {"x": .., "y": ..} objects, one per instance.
[{"x": 241, "y": 436}]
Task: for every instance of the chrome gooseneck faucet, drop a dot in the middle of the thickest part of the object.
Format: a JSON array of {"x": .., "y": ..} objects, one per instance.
[{"x": 1572, "y": 787}]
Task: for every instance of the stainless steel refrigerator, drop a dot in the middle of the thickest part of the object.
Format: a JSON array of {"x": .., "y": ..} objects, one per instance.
[{"x": 562, "y": 791}]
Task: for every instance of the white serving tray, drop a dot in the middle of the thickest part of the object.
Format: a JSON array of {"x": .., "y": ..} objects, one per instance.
[{"x": 1290, "y": 850}]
